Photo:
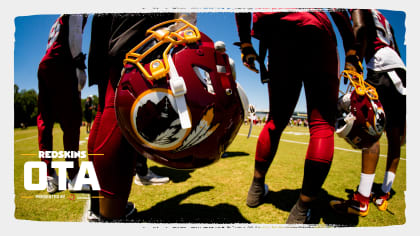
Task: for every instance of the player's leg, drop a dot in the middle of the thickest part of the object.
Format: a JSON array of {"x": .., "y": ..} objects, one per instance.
[
  {"x": 382, "y": 196},
  {"x": 67, "y": 107},
  {"x": 45, "y": 123},
  {"x": 284, "y": 90},
  {"x": 145, "y": 176},
  {"x": 358, "y": 204},
  {"x": 94, "y": 195},
  {"x": 70, "y": 124},
  {"x": 394, "y": 104},
  {"x": 115, "y": 166},
  {"x": 319, "y": 58}
]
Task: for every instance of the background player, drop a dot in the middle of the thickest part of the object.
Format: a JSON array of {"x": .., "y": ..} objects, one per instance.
[
  {"x": 61, "y": 77},
  {"x": 302, "y": 49},
  {"x": 88, "y": 112},
  {"x": 386, "y": 72}
]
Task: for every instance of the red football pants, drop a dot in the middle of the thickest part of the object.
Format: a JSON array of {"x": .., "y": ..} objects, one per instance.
[
  {"x": 115, "y": 168},
  {"x": 299, "y": 55}
]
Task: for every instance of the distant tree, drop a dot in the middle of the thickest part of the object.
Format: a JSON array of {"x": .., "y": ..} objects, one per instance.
[{"x": 26, "y": 107}]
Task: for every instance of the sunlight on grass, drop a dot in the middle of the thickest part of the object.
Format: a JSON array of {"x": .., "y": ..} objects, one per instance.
[{"x": 217, "y": 193}]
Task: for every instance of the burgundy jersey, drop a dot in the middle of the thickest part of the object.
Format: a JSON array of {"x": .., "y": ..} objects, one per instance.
[
  {"x": 58, "y": 40},
  {"x": 301, "y": 18}
]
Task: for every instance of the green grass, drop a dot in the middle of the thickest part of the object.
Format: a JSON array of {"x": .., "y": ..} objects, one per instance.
[
  {"x": 33, "y": 205},
  {"x": 217, "y": 193}
]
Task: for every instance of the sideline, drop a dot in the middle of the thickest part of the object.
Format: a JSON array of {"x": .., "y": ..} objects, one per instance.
[{"x": 337, "y": 148}]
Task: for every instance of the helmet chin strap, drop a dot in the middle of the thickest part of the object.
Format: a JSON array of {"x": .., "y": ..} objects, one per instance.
[{"x": 177, "y": 85}]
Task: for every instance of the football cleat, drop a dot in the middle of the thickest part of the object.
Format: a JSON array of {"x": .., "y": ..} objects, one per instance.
[
  {"x": 130, "y": 212},
  {"x": 52, "y": 183},
  {"x": 150, "y": 179},
  {"x": 357, "y": 205},
  {"x": 177, "y": 102},
  {"x": 256, "y": 195},
  {"x": 71, "y": 186},
  {"x": 361, "y": 119},
  {"x": 298, "y": 216},
  {"x": 381, "y": 201}
]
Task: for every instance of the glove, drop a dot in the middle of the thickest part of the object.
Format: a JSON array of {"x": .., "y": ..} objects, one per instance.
[
  {"x": 248, "y": 55},
  {"x": 79, "y": 61},
  {"x": 352, "y": 63},
  {"x": 81, "y": 77}
]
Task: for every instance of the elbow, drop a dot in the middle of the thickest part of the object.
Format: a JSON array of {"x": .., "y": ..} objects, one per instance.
[
  {"x": 359, "y": 28},
  {"x": 360, "y": 32}
]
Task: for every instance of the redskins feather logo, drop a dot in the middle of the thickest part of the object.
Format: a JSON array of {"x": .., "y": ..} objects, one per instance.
[
  {"x": 156, "y": 122},
  {"x": 202, "y": 131}
]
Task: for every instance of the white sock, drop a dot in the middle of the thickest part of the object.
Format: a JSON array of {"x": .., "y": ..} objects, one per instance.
[
  {"x": 365, "y": 185},
  {"x": 388, "y": 181},
  {"x": 366, "y": 182}
]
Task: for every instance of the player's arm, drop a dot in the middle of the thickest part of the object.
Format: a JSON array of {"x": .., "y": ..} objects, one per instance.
[
  {"x": 362, "y": 24},
  {"x": 351, "y": 46},
  {"x": 75, "y": 44},
  {"x": 98, "y": 49},
  {"x": 75, "y": 34},
  {"x": 343, "y": 23},
  {"x": 248, "y": 54}
]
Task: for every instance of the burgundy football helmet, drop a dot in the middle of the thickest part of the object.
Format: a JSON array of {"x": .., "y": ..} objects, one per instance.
[
  {"x": 362, "y": 118},
  {"x": 176, "y": 102}
]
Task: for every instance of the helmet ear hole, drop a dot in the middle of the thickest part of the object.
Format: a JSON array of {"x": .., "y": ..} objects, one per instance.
[
  {"x": 365, "y": 110},
  {"x": 205, "y": 79}
]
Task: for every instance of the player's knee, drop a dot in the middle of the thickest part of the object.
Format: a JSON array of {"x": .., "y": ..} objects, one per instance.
[{"x": 321, "y": 144}]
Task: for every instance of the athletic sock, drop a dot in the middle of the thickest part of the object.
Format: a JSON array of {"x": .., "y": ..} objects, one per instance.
[
  {"x": 365, "y": 185},
  {"x": 94, "y": 202},
  {"x": 314, "y": 174},
  {"x": 388, "y": 181}
]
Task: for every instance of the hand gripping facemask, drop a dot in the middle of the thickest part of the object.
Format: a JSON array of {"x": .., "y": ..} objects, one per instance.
[
  {"x": 177, "y": 102},
  {"x": 362, "y": 118}
]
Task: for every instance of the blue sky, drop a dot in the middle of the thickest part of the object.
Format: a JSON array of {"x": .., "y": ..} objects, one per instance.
[{"x": 31, "y": 33}]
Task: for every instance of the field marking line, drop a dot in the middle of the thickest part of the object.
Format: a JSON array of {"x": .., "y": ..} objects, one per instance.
[
  {"x": 86, "y": 211},
  {"x": 22, "y": 139},
  {"x": 338, "y": 148}
]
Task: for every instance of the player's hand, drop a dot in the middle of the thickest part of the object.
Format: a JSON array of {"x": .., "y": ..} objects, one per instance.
[
  {"x": 79, "y": 61},
  {"x": 248, "y": 55},
  {"x": 81, "y": 77},
  {"x": 353, "y": 63}
]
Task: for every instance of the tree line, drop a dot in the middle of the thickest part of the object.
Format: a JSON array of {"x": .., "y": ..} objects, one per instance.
[{"x": 26, "y": 107}]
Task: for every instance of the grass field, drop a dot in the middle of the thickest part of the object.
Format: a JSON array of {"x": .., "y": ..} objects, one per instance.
[{"x": 217, "y": 193}]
